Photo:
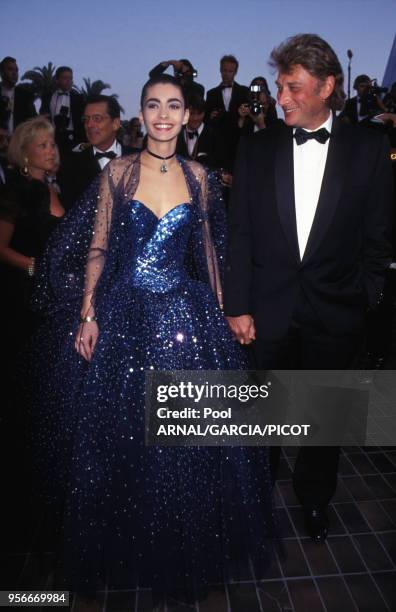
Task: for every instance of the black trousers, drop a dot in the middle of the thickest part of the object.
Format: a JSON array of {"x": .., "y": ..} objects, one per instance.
[{"x": 306, "y": 348}]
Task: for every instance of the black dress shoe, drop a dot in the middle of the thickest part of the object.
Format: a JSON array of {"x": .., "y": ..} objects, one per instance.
[{"x": 316, "y": 523}]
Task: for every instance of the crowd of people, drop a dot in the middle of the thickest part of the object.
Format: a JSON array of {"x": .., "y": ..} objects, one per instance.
[{"x": 139, "y": 275}]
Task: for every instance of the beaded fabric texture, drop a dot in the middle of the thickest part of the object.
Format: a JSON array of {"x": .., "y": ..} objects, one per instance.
[{"x": 174, "y": 519}]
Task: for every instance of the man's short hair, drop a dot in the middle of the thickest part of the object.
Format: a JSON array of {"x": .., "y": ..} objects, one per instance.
[
  {"x": 197, "y": 103},
  {"x": 362, "y": 78},
  {"x": 62, "y": 69},
  {"x": 113, "y": 107},
  {"x": 6, "y": 60},
  {"x": 317, "y": 57},
  {"x": 229, "y": 58}
]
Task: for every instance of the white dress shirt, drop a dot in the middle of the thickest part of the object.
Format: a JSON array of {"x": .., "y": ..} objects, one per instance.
[
  {"x": 309, "y": 160},
  {"x": 191, "y": 142},
  {"x": 115, "y": 147},
  {"x": 59, "y": 99},
  {"x": 227, "y": 93}
]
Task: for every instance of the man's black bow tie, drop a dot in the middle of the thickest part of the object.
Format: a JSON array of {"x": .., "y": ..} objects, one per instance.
[
  {"x": 193, "y": 134},
  {"x": 302, "y": 135},
  {"x": 226, "y": 86},
  {"x": 63, "y": 93},
  {"x": 108, "y": 154}
]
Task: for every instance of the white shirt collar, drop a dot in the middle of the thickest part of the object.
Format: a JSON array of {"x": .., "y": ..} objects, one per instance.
[
  {"x": 103, "y": 161},
  {"x": 115, "y": 147},
  {"x": 328, "y": 124}
]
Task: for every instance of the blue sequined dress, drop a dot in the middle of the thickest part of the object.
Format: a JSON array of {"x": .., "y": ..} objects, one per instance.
[{"x": 174, "y": 519}]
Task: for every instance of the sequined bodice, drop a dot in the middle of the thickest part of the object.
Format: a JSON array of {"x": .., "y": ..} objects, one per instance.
[{"x": 159, "y": 246}]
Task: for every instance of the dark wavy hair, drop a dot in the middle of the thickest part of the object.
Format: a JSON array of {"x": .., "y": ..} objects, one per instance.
[
  {"x": 317, "y": 57},
  {"x": 112, "y": 104},
  {"x": 165, "y": 79}
]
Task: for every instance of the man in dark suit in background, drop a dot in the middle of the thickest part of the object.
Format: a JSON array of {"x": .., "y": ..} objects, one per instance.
[
  {"x": 196, "y": 140},
  {"x": 65, "y": 107},
  {"x": 309, "y": 241},
  {"x": 102, "y": 121},
  {"x": 16, "y": 103},
  {"x": 222, "y": 103}
]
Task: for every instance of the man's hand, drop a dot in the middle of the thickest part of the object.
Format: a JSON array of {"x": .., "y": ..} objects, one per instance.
[
  {"x": 226, "y": 179},
  {"x": 243, "y": 328},
  {"x": 177, "y": 64}
]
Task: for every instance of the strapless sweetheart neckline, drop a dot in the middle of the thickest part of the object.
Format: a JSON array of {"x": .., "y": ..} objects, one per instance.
[{"x": 167, "y": 212}]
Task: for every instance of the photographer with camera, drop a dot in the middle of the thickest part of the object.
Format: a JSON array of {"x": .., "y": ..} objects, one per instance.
[
  {"x": 65, "y": 108},
  {"x": 259, "y": 112},
  {"x": 185, "y": 73},
  {"x": 16, "y": 103},
  {"x": 363, "y": 107}
]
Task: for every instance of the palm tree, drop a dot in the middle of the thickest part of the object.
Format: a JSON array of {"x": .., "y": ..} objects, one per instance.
[
  {"x": 95, "y": 88},
  {"x": 42, "y": 80}
]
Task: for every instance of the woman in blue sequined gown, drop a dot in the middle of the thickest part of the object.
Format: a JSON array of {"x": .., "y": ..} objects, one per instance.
[{"x": 149, "y": 277}]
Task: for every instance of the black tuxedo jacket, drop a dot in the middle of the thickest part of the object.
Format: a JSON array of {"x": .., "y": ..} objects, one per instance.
[
  {"x": 77, "y": 172},
  {"x": 214, "y": 100},
  {"x": 23, "y": 106},
  {"x": 204, "y": 150},
  {"x": 77, "y": 104},
  {"x": 342, "y": 271},
  {"x": 225, "y": 125}
]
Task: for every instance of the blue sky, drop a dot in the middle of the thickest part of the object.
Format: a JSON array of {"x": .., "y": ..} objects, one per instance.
[{"x": 120, "y": 41}]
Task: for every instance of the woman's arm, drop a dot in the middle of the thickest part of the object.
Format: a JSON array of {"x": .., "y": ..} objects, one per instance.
[{"x": 88, "y": 331}]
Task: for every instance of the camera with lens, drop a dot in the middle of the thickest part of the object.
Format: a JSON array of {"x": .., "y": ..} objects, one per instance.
[
  {"x": 369, "y": 100},
  {"x": 182, "y": 75},
  {"x": 255, "y": 106}
]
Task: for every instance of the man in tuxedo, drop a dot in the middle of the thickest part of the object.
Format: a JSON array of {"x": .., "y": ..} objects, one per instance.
[
  {"x": 102, "y": 121},
  {"x": 16, "y": 103},
  {"x": 65, "y": 108},
  {"x": 196, "y": 140},
  {"x": 222, "y": 103},
  {"x": 309, "y": 241}
]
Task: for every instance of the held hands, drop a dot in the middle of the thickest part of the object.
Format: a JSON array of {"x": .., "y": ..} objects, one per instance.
[
  {"x": 86, "y": 337},
  {"x": 243, "y": 328}
]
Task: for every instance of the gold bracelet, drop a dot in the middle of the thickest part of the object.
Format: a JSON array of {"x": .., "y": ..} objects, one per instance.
[
  {"x": 87, "y": 319},
  {"x": 31, "y": 267}
]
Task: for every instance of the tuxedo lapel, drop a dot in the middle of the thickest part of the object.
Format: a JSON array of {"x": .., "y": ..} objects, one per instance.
[
  {"x": 332, "y": 183},
  {"x": 93, "y": 166},
  {"x": 219, "y": 96},
  {"x": 284, "y": 181}
]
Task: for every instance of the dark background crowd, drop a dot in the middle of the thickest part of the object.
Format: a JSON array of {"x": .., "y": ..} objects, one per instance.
[
  {"x": 88, "y": 132},
  {"x": 49, "y": 158}
]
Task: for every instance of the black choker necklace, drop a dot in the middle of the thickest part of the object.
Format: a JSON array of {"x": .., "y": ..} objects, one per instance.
[{"x": 164, "y": 166}]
